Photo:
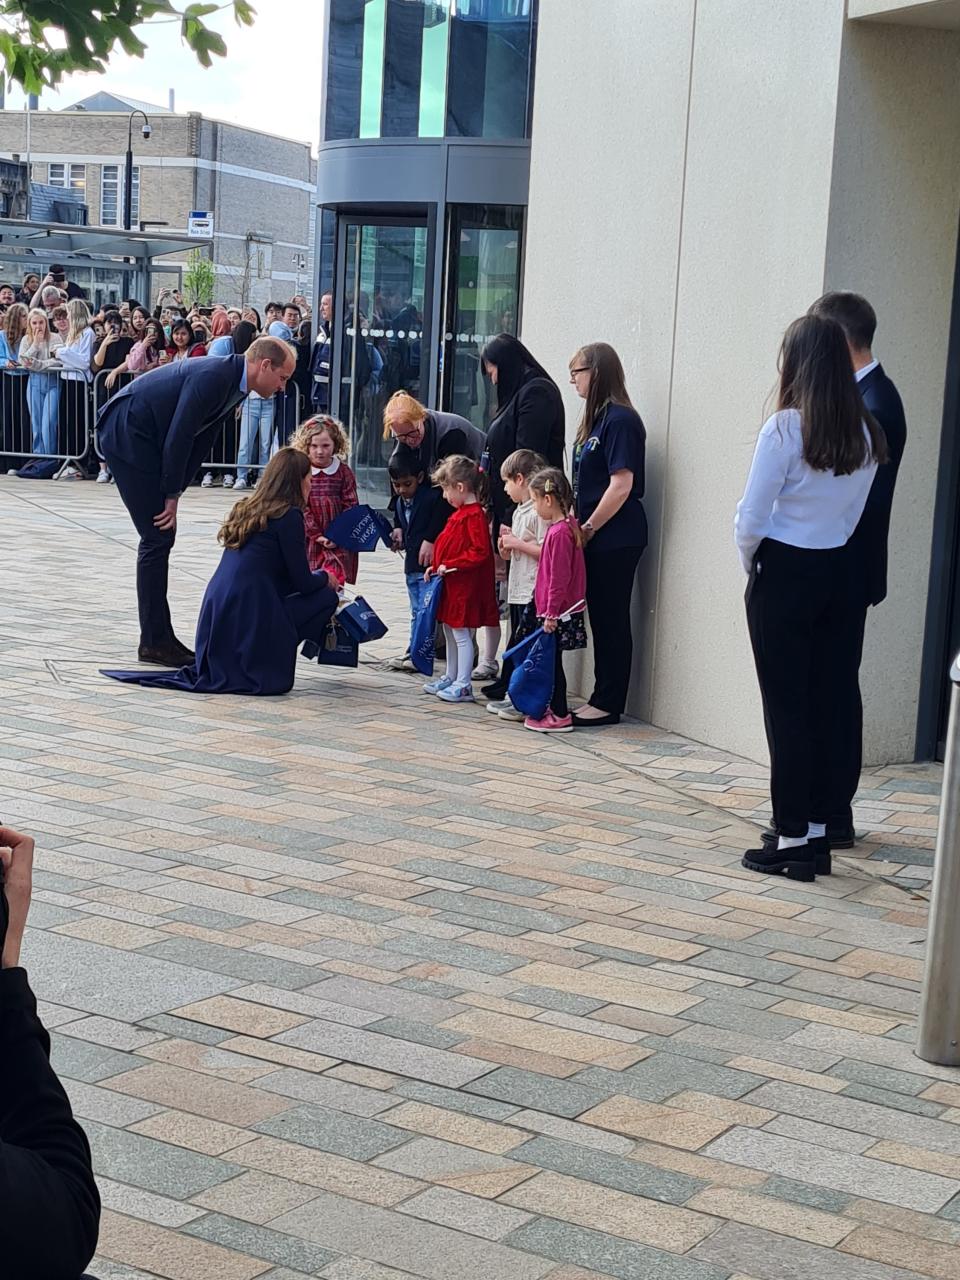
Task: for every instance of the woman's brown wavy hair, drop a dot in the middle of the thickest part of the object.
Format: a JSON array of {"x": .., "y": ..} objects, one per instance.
[
  {"x": 817, "y": 379},
  {"x": 280, "y": 488}
]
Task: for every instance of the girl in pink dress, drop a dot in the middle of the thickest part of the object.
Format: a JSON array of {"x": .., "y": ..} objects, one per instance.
[{"x": 333, "y": 488}]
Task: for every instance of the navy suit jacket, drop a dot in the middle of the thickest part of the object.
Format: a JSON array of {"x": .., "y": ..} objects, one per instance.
[
  {"x": 881, "y": 397},
  {"x": 425, "y": 523},
  {"x": 164, "y": 422}
]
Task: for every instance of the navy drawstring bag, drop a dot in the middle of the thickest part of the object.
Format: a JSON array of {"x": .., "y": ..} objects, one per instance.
[
  {"x": 423, "y": 636},
  {"x": 531, "y": 684},
  {"x": 361, "y": 622}
]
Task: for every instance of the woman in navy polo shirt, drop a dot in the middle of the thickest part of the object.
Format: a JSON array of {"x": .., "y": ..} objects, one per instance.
[{"x": 608, "y": 480}]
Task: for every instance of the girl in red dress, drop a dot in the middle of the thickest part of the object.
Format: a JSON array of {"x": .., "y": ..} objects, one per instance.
[
  {"x": 463, "y": 557},
  {"x": 333, "y": 488}
]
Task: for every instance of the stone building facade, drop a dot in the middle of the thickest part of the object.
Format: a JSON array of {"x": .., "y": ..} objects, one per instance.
[{"x": 258, "y": 189}]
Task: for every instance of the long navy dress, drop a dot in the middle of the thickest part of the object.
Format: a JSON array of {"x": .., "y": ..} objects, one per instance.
[{"x": 261, "y": 602}]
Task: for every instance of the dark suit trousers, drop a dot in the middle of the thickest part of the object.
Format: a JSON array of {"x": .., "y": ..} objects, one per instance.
[
  {"x": 143, "y": 497},
  {"x": 806, "y": 629},
  {"x": 610, "y": 579}
]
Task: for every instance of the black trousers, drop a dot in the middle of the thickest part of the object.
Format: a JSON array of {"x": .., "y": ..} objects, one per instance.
[
  {"x": 143, "y": 497},
  {"x": 806, "y": 628},
  {"x": 517, "y": 630},
  {"x": 610, "y": 579}
]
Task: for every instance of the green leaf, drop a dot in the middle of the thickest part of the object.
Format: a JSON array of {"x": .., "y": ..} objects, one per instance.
[{"x": 244, "y": 13}]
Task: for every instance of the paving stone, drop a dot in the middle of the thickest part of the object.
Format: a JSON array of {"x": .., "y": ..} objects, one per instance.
[
  {"x": 384, "y": 1000},
  {"x": 775, "y": 1257},
  {"x": 82, "y": 1060},
  {"x": 805, "y": 1193},
  {"x": 352, "y": 1136},
  {"x": 881, "y": 1077},
  {"x": 453, "y": 1100},
  {"x": 202, "y": 1095},
  {"x": 520, "y": 886},
  {"x": 609, "y": 1170},
  {"x": 452, "y": 1165},
  {"x": 841, "y": 1111},
  {"x": 897, "y": 1249},
  {"x": 820, "y": 1135},
  {"x": 210, "y": 1137},
  {"x": 785, "y": 1219},
  {"x": 326, "y": 1091},
  {"x": 420, "y": 1062},
  {"x": 260, "y": 1242},
  {"x": 417, "y": 1032},
  {"x": 238, "y": 966},
  {"x": 255, "y": 1197},
  {"x": 665, "y": 1074},
  {"x": 461, "y": 954},
  {"x": 569, "y": 1199},
  {"x": 453, "y": 1126},
  {"x": 491, "y": 1221},
  {"x": 134, "y": 1202},
  {"x": 857, "y": 1175},
  {"x": 171, "y": 1254},
  {"x": 469, "y": 904},
  {"x": 429, "y": 1251},
  {"x": 559, "y": 1001},
  {"x": 186, "y": 1030},
  {"x": 154, "y": 1166},
  {"x": 570, "y": 1131},
  {"x": 895, "y": 1102},
  {"x": 90, "y": 1102},
  {"x": 608, "y": 1254},
  {"x": 110, "y": 1033},
  {"x": 541, "y": 1093}
]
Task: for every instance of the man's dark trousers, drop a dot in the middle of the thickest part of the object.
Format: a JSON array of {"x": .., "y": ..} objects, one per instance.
[{"x": 143, "y": 496}]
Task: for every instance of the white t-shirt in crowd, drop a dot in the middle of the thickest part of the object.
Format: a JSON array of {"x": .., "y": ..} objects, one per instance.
[
  {"x": 528, "y": 527},
  {"x": 785, "y": 499}
]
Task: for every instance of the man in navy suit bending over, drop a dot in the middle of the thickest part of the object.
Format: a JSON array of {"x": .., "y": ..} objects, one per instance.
[{"x": 154, "y": 434}]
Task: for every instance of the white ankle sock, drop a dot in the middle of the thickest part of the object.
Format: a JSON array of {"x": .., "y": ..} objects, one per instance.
[
  {"x": 815, "y": 830},
  {"x": 791, "y": 842}
]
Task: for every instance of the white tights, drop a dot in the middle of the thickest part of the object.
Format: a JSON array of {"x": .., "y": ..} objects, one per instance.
[{"x": 459, "y": 653}]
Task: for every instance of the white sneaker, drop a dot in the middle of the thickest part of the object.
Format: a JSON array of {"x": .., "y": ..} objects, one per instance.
[
  {"x": 239, "y": 483},
  {"x": 70, "y": 473},
  {"x": 103, "y": 477},
  {"x": 437, "y": 685},
  {"x": 510, "y": 712},
  {"x": 12, "y": 471},
  {"x": 496, "y": 707},
  {"x": 486, "y": 671},
  {"x": 207, "y": 481},
  {"x": 457, "y": 693},
  {"x": 228, "y": 482}
]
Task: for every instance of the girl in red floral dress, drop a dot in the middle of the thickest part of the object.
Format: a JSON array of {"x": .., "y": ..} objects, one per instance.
[
  {"x": 463, "y": 557},
  {"x": 333, "y": 488}
]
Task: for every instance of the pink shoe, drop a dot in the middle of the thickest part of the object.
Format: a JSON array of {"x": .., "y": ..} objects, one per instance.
[{"x": 549, "y": 723}]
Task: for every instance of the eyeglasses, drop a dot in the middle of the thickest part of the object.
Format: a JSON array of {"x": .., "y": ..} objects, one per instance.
[
  {"x": 574, "y": 372},
  {"x": 407, "y": 435}
]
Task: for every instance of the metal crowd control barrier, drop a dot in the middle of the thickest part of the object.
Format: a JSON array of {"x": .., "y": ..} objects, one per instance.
[
  {"x": 43, "y": 416},
  {"x": 224, "y": 457},
  {"x": 100, "y": 395},
  {"x": 939, "y": 1031}
]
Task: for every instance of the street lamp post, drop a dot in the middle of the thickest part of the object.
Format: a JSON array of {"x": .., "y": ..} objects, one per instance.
[{"x": 146, "y": 130}]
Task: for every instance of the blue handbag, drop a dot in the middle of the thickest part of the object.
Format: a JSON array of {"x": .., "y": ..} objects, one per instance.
[
  {"x": 423, "y": 635},
  {"x": 531, "y": 684},
  {"x": 361, "y": 622}
]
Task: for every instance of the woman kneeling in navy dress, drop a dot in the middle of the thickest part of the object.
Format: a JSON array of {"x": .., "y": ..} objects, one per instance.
[{"x": 263, "y": 600}]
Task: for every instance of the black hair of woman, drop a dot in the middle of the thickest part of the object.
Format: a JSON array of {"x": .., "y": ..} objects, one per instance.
[{"x": 514, "y": 365}]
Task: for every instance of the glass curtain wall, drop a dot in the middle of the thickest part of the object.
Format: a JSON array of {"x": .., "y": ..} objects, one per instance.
[
  {"x": 428, "y": 68},
  {"x": 483, "y": 296},
  {"x": 385, "y": 286}
]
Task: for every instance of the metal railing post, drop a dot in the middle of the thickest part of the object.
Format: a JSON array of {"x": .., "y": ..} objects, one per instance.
[{"x": 938, "y": 1038}]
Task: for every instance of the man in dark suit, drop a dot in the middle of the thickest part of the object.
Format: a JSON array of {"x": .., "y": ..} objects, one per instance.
[
  {"x": 154, "y": 435},
  {"x": 858, "y": 320}
]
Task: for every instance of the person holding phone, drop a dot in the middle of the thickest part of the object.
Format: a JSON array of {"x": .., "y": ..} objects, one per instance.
[{"x": 50, "y": 1209}]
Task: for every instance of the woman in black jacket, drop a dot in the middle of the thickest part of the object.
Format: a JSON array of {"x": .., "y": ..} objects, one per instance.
[{"x": 529, "y": 415}]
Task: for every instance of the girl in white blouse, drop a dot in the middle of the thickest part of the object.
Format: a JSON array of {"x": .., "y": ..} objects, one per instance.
[{"x": 812, "y": 470}]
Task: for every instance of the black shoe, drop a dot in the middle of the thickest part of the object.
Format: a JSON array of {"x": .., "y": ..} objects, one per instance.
[
  {"x": 168, "y": 655},
  {"x": 798, "y": 863},
  {"x": 495, "y": 692},
  {"x": 841, "y": 837},
  {"x": 821, "y": 846},
  {"x": 310, "y": 650},
  {"x": 187, "y": 655},
  {"x": 595, "y": 722}
]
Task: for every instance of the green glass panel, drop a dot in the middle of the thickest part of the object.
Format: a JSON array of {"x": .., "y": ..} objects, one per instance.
[
  {"x": 433, "y": 73},
  {"x": 371, "y": 75}
]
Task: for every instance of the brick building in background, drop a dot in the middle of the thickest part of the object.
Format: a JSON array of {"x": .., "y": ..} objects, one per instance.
[{"x": 258, "y": 189}]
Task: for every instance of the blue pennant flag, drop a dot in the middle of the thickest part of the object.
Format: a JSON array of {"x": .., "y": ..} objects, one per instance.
[{"x": 359, "y": 529}]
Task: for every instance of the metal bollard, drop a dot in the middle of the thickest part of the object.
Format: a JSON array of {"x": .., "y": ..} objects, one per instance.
[{"x": 939, "y": 1031}]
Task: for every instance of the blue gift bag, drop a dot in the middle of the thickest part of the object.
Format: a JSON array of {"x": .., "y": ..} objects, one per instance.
[
  {"x": 338, "y": 650},
  {"x": 531, "y": 684},
  {"x": 361, "y": 622},
  {"x": 423, "y": 636}
]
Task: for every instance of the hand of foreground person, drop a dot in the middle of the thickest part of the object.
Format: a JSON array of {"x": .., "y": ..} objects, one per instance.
[
  {"x": 549, "y": 624},
  {"x": 426, "y": 553},
  {"x": 167, "y": 519},
  {"x": 16, "y": 858}
]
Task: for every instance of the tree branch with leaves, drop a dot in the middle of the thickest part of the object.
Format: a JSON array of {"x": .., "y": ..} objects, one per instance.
[{"x": 41, "y": 41}]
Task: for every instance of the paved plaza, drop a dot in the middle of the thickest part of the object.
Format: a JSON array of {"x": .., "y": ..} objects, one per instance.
[{"x": 357, "y": 985}]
